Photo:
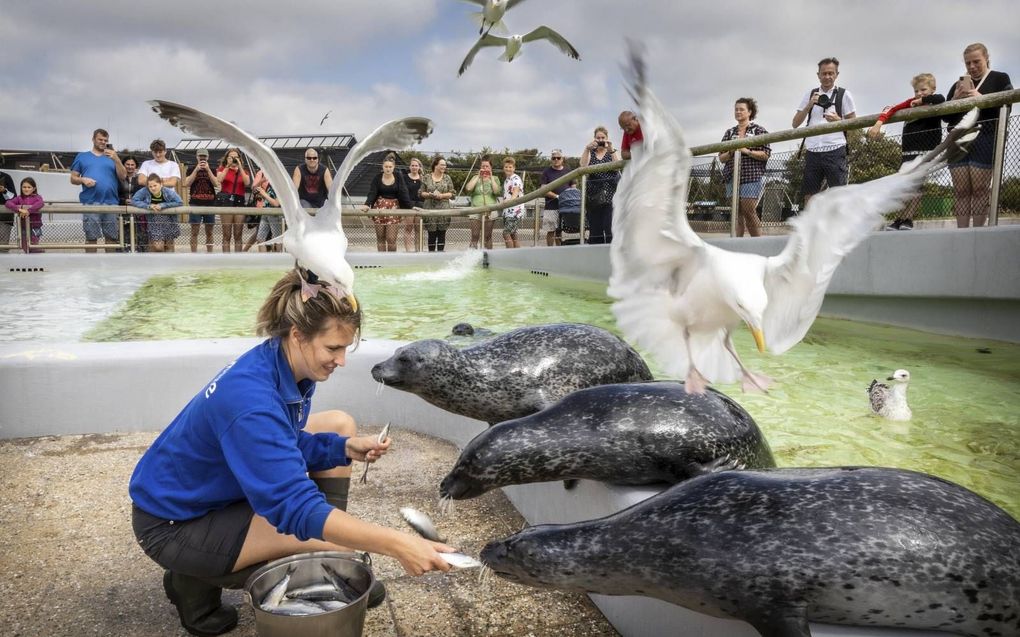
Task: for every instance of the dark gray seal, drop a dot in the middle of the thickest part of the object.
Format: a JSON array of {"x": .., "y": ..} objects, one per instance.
[
  {"x": 629, "y": 433},
  {"x": 779, "y": 548},
  {"x": 513, "y": 374}
]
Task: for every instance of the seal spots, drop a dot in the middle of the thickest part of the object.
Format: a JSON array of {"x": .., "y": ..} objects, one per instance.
[
  {"x": 737, "y": 544},
  {"x": 513, "y": 374},
  {"x": 627, "y": 433}
]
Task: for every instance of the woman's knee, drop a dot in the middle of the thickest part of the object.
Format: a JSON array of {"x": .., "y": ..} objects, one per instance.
[{"x": 334, "y": 420}]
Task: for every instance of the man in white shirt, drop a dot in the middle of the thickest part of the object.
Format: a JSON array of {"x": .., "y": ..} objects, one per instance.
[
  {"x": 826, "y": 154},
  {"x": 168, "y": 170}
]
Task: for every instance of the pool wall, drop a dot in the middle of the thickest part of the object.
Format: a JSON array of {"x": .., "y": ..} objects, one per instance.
[{"x": 956, "y": 282}]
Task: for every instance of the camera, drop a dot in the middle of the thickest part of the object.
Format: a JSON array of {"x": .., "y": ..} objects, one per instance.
[
  {"x": 109, "y": 147},
  {"x": 824, "y": 101},
  {"x": 601, "y": 143}
]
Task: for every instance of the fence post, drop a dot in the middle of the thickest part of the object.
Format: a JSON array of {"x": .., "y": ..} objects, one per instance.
[
  {"x": 131, "y": 232},
  {"x": 421, "y": 234},
  {"x": 1000, "y": 152},
  {"x": 534, "y": 239},
  {"x": 735, "y": 195},
  {"x": 584, "y": 199}
]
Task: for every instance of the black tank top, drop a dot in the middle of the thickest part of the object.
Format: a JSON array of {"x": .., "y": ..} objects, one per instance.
[{"x": 313, "y": 185}]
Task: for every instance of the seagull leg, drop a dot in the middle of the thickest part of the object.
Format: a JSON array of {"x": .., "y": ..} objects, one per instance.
[
  {"x": 751, "y": 381},
  {"x": 695, "y": 383},
  {"x": 309, "y": 290}
]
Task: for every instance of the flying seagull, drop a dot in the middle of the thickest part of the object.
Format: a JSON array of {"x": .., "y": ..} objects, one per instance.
[
  {"x": 318, "y": 243},
  {"x": 324, "y": 118},
  {"x": 514, "y": 43},
  {"x": 491, "y": 15},
  {"x": 681, "y": 298},
  {"x": 889, "y": 402}
]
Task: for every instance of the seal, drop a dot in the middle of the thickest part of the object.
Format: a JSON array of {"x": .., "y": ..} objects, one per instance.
[
  {"x": 856, "y": 546},
  {"x": 627, "y": 433},
  {"x": 513, "y": 374}
]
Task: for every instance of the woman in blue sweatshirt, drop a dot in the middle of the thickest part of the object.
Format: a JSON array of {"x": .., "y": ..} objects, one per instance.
[{"x": 246, "y": 474}]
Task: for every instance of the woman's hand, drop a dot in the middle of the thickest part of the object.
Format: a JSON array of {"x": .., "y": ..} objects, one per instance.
[
  {"x": 418, "y": 555},
  {"x": 366, "y": 448},
  {"x": 592, "y": 145},
  {"x": 875, "y": 131}
]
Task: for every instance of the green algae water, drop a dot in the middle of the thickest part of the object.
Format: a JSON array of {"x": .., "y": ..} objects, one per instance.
[{"x": 964, "y": 393}]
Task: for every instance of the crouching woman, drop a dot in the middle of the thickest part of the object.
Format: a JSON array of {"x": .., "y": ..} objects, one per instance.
[{"x": 245, "y": 473}]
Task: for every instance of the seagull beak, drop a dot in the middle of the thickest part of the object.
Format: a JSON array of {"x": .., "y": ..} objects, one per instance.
[
  {"x": 891, "y": 378},
  {"x": 353, "y": 301},
  {"x": 759, "y": 338}
]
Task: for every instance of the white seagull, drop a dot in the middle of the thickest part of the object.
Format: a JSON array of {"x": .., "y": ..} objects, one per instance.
[
  {"x": 491, "y": 15},
  {"x": 512, "y": 45},
  {"x": 681, "y": 298},
  {"x": 889, "y": 402},
  {"x": 317, "y": 243}
]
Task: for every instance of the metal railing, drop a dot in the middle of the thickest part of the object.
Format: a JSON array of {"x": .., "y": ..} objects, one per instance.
[{"x": 779, "y": 200}]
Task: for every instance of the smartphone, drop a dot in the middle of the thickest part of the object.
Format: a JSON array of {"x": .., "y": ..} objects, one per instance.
[{"x": 109, "y": 147}]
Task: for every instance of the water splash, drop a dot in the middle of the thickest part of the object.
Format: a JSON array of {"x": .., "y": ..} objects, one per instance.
[{"x": 454, "y": 270}]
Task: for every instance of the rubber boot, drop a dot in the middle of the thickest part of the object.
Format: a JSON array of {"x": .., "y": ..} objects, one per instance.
[
  {"x": 198, "y": 605},
  {"x": 236, "y": 580},
  {"x": 335, "y": 490},
  {"x": 376, "y": 594}
]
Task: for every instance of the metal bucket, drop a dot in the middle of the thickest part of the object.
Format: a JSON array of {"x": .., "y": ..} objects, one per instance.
[{"x": 344, "y": 622}]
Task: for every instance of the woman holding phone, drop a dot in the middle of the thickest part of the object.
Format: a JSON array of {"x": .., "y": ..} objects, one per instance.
[
  {"x": 972, "y": 175},
  {"x": 234, "y": 180},
  {"x": 601, "y": 186},
  {"x": 484, "y": 189}
]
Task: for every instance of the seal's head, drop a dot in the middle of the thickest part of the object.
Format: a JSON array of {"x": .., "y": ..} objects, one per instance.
[
  {"x": 459, "y": 484},
  {"x": 413, "y": 366},
  {"x": 544, "y": 556},
  {"x": 463, "y": 329}
]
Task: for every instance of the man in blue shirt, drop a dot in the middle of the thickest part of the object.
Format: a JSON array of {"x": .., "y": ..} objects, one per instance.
[{"x": 99, "y": 172}]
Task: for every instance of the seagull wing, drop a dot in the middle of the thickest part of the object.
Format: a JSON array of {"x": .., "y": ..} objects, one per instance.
[
  {"x": 510, "y": 4},
  {"x": 655, "y": 255},
  {"x": 545, "y": 33},
  {"x": 832, "y": 225},
  {"x": 878, "y": 394},
  {"x": 480, "y": 3},
  {"x": 486, "y": 40},
  {"x": 395, "y": 134},
  {"x": 196, "y": 122}
]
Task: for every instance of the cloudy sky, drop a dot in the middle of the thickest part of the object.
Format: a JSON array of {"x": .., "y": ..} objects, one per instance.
[{"x": 277, "y": 67}]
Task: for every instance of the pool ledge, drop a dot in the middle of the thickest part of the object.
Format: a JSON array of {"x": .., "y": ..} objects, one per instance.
[{"x": 77, "y": 388}]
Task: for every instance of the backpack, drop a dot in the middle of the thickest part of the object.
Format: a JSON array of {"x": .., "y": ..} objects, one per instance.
[{"x": 838, "y": 103}]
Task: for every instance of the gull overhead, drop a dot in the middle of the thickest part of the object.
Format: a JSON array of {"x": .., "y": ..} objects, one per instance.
[
  {"x": 512, "y": 45},
  {"x": 680, "y": 298},
  {"x": 491, "y": 16},
  {"x": 317, "y": 243},
  {"x": 891, "y": 402}
]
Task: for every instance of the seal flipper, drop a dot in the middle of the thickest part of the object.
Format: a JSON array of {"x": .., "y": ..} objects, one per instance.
[
  {"x": 789, "y": 625},
  {"x": 722, "y": 463}
]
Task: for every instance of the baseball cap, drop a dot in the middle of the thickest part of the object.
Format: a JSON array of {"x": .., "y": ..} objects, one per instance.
[{"x": 202, "y": 152}]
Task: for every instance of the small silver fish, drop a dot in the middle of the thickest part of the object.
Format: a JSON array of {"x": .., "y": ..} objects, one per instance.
[
  {"x": 347, "y": 592},
  {"x": 382, "y": 438},
  {"x": 294, "y": 607},
  {"x": 317, "y": 593},
  {"x": 276, "y": 593},
  {"x": 332, "y": 604},
  {"x": 421, "y": 523},
  {"x": 459, "y": 560}
]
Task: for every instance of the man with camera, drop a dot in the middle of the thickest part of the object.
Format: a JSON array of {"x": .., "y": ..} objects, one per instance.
[
  {"x": 202, "y": 184},
  {"x": 826, "y": 154}
]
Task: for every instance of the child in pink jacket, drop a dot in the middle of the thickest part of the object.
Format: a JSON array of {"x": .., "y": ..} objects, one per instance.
[{"x": 28, "y": 204}]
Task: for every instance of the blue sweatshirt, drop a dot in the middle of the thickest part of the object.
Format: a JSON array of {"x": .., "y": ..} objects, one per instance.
[{"x": 241, "y": 438}]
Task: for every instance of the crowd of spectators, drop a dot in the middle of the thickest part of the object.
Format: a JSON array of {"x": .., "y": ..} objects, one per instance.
[{"x": 106, "y": 178}]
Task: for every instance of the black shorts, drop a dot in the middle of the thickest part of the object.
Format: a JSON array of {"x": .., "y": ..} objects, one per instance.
[
  {"x": 829, "y": 166},
  {"x": 204, "y": 547}
]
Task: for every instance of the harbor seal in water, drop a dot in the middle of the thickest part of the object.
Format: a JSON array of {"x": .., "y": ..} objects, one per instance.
[
  {"x": 629, "y": 433},
  {"x": 513, "y": 374},
  {"x": 778, "y": 548}
]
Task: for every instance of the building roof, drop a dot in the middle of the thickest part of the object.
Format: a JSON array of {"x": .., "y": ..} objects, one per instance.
[{"x": 339, "y": 141}]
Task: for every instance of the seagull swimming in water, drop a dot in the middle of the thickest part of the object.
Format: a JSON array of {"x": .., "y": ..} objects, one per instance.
[
  {"x": 317, "y": 243},
  {"x": 491, "y": 15},
  {"x": 891, "y": 402},
  {"x": 512, "y": 45},
  {"x": 681, "y": 298}
]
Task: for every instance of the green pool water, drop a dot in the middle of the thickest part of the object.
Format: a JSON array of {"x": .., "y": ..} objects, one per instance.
[{"x": 966, "y": 403}]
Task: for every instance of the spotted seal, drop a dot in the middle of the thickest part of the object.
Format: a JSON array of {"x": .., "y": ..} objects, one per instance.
[
  {"x": 858, "y": 546},
  {"x": 513, "y": 374},
  {"x": 628, "y": 433}
]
